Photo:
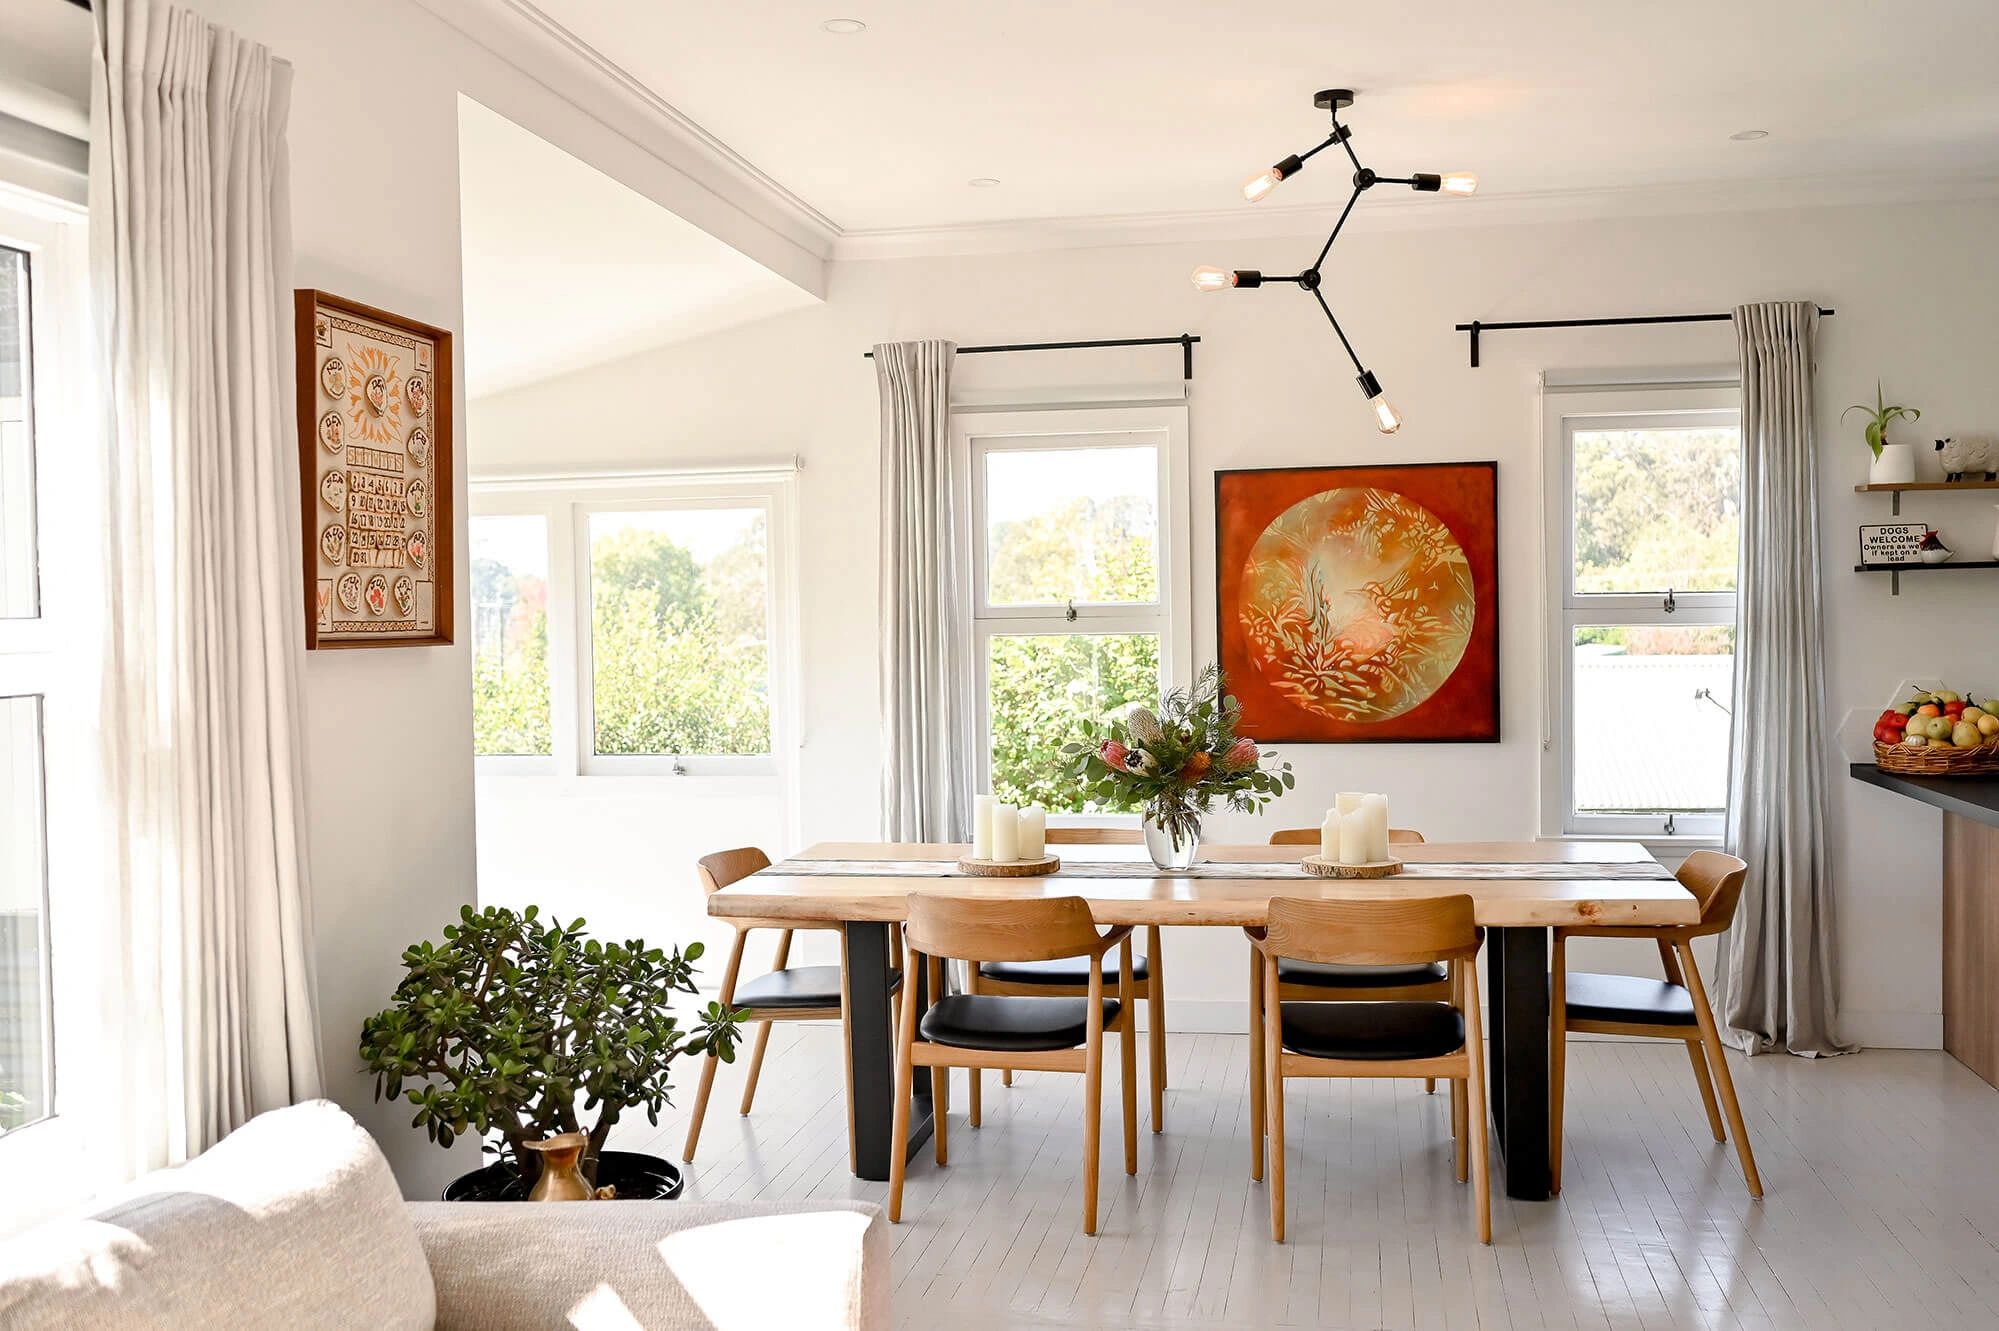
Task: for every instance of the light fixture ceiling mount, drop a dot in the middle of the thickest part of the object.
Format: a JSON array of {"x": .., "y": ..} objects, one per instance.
[{"x": 1209, "y": 278}]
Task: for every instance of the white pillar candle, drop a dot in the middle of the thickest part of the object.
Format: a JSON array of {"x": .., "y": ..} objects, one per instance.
[
  {"x": 1033, "y": 832},
  {"x": 1376, "y": 809},
  {"x": 1006, "y": 833},
  {"x": 982, "y": 827},
  {"x": 1329, "y": 836},
  {"x": 1353, "y": 838},
  {"x": 1347, "y": 801}
]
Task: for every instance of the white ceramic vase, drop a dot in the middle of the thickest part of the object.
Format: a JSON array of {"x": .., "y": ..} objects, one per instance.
[{"x": 1895, "y": 466}]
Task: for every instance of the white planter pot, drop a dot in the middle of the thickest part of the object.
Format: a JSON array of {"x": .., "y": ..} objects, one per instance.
[{"x": 1895, "y": 466}]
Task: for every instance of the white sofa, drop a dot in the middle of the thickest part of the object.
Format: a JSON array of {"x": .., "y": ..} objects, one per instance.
[{"x": 296, "y": 1222}]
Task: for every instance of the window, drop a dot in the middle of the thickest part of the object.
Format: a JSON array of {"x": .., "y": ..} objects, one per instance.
[
  {"x": 1644, "y": 509},
  {"x": 1080, "y": 585},
  {"x": 630, "y": 624}
]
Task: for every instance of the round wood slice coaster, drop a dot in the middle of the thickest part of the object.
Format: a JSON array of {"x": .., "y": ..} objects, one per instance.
[
  {"x": 1008, "y": 868},
  {"x": 1334, "y": 869}
]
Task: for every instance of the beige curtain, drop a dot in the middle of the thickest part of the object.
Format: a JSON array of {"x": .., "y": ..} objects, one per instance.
[
  {"x": 190, "y": 274},
  {"x": 1775, "y": 966},
  {"x": 926, "y": 660}
]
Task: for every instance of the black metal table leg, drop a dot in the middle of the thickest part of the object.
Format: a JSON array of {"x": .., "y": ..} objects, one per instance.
[
  {"x": 1516, "y": 963},
  {"x": 871, "y": 1049}
]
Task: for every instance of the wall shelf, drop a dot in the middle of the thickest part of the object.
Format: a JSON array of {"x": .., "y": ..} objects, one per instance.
[
  {"x": 1897, "y": 570},
  {"x": 1897, "y": 490}
]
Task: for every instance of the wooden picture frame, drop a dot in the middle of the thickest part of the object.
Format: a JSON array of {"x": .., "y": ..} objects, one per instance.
[
  {"x": 1360, "y": 604},
  {"x": 374, "y": 449}
]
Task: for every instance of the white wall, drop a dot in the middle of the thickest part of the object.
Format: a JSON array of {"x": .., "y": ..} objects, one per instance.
[{"x": 1912, "y": 286}]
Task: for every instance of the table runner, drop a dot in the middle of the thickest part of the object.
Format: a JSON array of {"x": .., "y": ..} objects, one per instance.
[{"x": 1288, "y": 871}]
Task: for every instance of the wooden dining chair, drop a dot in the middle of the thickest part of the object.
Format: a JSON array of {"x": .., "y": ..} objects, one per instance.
[
  {"x": 1066, "y": 977},
  {"x": 1301, "y": 980},
  {"x": 787, "y": 993},
  {"x": 1425, "y": 1039},
  {"x": 1040, "y": 1032},
  {"x": 1673, "y": 1009}
]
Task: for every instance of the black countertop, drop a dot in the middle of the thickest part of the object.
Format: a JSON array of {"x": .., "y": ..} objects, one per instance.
[{"x": 1972, "y": 797}]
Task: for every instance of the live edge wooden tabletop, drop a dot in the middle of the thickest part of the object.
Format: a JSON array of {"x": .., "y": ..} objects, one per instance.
[{"x": 1170, "y": 899}]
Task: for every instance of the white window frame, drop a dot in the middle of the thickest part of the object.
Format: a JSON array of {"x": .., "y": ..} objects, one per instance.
[
  {"x": 1691, "y": 402},
  {"x": 45, "y": 657},
  {"x": 978, "y": 432},
  {"x": 565, "y": 502}
]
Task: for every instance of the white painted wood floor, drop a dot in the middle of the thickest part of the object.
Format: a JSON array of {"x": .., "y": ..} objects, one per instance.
[{"x": 1882, "y": 1209}]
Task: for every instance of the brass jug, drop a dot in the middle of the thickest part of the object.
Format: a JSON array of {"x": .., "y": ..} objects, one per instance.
[{"x": 561, "y": 1173}]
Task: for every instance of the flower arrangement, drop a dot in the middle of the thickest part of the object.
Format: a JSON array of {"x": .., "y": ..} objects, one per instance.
[{"x": 1179, "y": 761}]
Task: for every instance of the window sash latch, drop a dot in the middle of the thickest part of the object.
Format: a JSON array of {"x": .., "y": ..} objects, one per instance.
[{"x": 1670, "y": 603}]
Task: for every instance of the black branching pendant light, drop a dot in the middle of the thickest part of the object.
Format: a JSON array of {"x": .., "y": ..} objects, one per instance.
[{"x": 1332, "y": 101}]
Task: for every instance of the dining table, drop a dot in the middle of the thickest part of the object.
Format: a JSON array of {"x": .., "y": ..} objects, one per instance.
[{"x": 1519, "y": 890}]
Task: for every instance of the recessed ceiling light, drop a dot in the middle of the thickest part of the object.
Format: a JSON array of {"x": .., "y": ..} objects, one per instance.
[
  {"x": 982, "y": 182},
  {"x": 845, "y": 27},
  {"x": 1749, "y": 135}
]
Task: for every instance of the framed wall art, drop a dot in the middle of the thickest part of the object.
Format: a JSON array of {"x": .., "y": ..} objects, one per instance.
[
  {"x": 374, "y": 447},
  {"x": 1358, "y": 604}
]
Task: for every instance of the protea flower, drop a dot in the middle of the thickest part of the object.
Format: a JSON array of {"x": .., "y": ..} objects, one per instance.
[
  {"x": 1242, "y": 755},
  {"x": 1144, "y": 726},
  {"x": 1140, "y": 763},
  {"x": 1114, "y": 755},
  {"x": 1196, "y": 767}
]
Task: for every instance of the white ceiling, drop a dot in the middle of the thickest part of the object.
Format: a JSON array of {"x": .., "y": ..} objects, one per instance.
[
  {"x": 1163, "y": 108},
  {"x": 538, "y": 303}
]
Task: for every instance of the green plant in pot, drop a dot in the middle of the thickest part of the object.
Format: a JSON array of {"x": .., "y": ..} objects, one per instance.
[
  {"x": 517, "y": 1030},
  {"x": 1894, "y": 464}
]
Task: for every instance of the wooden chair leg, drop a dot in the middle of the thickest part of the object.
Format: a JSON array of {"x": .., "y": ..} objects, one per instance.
[
  {"x": 1706, "y": 1083},
  {"x": 756, "y": 1065},
  {"x": 1429, "y": 1085},
  {"x": 977, "y": 1077},
  {"x": 1006, "y": 1076},
  {"x": 905, "y": 1082},
  {"x": 1558, "y": 1056},
  {"x": 1458, "y": 1118},
  {"x": 1711, "y": 1042},
  {"x": 1093, "y": 1102},
  {"x": 1257, "y": 1126},
  {"x": 727, "y": 998},
  {"x": 1273, "y": 1096},
  {"x": 1128, "y": 1057},
  {"x": 1476, "y": 1129},
  {"x": 940, "y": 1077}
]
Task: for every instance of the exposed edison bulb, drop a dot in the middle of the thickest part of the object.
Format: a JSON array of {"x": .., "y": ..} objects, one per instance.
[
  {"x": 1460, "y": 182},
  {"x": 1385, "y": 418},
  {"x": 1210, "y": 278},
  {"x": 1261, "y": 184}
]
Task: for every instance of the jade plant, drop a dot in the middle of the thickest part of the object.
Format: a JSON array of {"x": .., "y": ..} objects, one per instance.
[
  {"x": 1879, "y": 417},
  {"x": 515, "y": 1030}
]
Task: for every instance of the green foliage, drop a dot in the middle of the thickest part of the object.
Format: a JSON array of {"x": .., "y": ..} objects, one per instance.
[
  {"x": 1040, "y": 686},
  {"x": 1087, "y": 550},
  {"x": 1179, "y": 761},
  {"x": 1657, "y": 509},
  {"x": 504, "y": 1027},
  {"x": 1879, "y": 417},
  {"x": 510, "y": 691}
]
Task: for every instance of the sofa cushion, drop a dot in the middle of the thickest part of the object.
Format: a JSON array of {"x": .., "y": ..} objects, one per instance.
[
  {"x": 294, "y": 1221},
  {"x": 527, "y": 1266}
]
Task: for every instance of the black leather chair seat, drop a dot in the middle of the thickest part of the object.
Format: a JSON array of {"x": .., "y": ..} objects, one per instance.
[
  {"x": 1628, "y": 998},
  {"x": 797, "y": 987},
  {"x": 1382, "y": 1031},
  {"x": 1360, "y": 977},
  {"x": 1061, "y": 970},
  {"x": 1012, "y": 1023}
]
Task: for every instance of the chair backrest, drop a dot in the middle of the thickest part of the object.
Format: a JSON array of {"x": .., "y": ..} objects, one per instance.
[
  {"x": 1371, "y": 933},
  {"x": 1094, "y": 836},
  {"x": 1309, "y": 836},
  {"x": 985, "y": 929},
  {"x": 724, "y": 867},
  {"x": 1716, "y": 881}
]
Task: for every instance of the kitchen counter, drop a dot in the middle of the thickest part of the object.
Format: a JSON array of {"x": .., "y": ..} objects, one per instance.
[
  {"x": 1970, "y": 908},
  {"x": 1976, "y": 798}
]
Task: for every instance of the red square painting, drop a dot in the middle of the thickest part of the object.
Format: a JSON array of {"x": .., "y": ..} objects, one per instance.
[{"x": 1358, "y": 604}]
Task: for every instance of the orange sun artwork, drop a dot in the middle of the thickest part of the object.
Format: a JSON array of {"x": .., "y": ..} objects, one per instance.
[
  {"x": 1358, "y": 603},
  {"x": 374, "y": 395}
]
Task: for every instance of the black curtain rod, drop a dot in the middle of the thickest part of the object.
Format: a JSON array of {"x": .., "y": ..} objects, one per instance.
[
  {"x": 1185, "y": 342},
  {"x": 1476, "y": 327}
]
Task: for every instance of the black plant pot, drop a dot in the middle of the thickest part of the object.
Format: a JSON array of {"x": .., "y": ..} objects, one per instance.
[{"x": 637, "y": 1177}]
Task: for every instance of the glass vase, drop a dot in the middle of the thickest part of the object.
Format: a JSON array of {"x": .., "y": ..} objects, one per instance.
[{"x": 1175, "y": 847}]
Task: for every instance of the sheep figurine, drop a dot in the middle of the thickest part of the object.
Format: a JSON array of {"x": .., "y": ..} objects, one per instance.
[{"x": 1961, "y": 457}]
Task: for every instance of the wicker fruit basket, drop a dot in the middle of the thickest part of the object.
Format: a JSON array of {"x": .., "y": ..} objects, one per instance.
[{"x": 1905, "y": 760}]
